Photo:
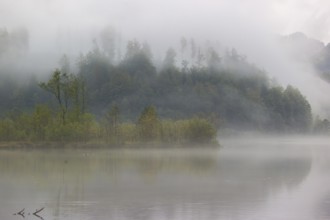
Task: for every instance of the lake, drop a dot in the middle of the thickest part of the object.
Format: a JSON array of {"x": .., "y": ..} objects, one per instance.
[{"x": 250, "y": 178}]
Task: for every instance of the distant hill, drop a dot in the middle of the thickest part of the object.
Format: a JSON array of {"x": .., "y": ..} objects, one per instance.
[{"x": 306, "y": 49}]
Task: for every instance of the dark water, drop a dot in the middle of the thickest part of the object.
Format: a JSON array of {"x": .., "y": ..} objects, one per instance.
[{"x": 246, "y": 179}]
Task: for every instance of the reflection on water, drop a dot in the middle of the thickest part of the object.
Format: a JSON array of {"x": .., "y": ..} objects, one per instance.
[{"x": 244, "y": 180}]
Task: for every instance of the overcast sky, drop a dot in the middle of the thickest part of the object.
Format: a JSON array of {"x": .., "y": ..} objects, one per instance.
[
  {"x": 69, "y": 26},
  {"x": 154, "y": 18}
]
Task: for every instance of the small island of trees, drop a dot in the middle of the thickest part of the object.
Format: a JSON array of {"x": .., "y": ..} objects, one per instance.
[{"x": 70, "y": 123}]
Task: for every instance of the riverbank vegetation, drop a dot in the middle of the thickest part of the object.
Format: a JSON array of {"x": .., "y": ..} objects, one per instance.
[{"x": 44, "y": 125}]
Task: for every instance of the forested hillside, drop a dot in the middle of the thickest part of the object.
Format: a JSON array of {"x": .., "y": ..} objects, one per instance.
[
  {"x": 228, "y": 90},
  {"x": 310, "y": 51},
  {"x": 223, "y": 88}
]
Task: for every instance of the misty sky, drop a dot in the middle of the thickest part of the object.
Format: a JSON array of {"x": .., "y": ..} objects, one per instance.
[
  {"x": 149, "y": 19},
  {"x": 69, "y": 26}
]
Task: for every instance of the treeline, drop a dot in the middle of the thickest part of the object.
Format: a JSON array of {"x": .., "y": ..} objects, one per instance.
[
  {"x": 227, "y": 89},
  {"x": 206, "y": 85},
  {"x": 47, "y": 125}
]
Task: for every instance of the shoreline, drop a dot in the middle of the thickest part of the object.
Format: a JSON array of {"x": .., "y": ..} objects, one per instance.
[{"x": 26, "y": 145}]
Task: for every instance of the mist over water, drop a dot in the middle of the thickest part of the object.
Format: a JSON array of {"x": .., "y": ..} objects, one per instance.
[
  {"x": 260, "y": 178},
  {"x": 252, "y": 177}
]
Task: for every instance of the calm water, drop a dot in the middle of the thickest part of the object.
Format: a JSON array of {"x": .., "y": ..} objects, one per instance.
[{"x": 246, "y": 179}]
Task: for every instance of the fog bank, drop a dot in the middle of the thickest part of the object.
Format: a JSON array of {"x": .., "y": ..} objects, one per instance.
[{"x": 252, "y": 27}]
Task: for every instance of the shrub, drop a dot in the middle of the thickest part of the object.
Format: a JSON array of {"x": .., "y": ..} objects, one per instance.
[{"x": 198, "y": 130}]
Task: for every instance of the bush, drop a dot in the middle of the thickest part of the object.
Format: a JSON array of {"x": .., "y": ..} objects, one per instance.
[
  {"x": 148, "y": 124},
  {"x": 198, "y": 130},
  {"x": 128, "y": 132}
]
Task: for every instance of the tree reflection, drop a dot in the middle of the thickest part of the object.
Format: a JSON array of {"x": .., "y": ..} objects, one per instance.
[{"x": 146, "y": 184}]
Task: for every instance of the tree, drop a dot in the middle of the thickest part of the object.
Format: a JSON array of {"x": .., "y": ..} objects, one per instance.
[
  {"x": 170, "y": 59},
  {"x": 77, "y": 92},
  {"x": 137, "y": 62},
  {"x": 199, "y": 130},
  {"x": 108, "y": 42},
  {"x": 288, "y": 109},
  {"x": 321, "y": 126},
  {"x": 112, "y": 123},
  {"x": 133, "y": 48},
  {"x": 148, "y": 124},
  {"x": 297, "y": 109},
  {"x": 213, "y": 58},
  {"x": 185, "y": 64},
  {"x": 95, "y": 70},
  {"x": 68, "y": 89},
  {"x": 7, "y": 130},
  {"x": 41, "y": 118},
  {"x": 54, "y": 86}
]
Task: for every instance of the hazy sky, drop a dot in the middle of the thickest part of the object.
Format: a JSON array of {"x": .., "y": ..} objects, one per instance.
[
  {"x": 152, "y": 18},
  {"x": 69, "y": 26}
]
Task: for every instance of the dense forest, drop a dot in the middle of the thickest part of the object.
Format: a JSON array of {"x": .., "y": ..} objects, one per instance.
[
  {"x": 196, "y": 85},
  {"x": 227, "y": 90}
]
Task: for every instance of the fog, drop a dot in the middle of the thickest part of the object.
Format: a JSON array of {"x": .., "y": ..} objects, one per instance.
[
  {"x": 252, "y": 27},
  {"x": 69, "y": 26},
  {"x": 257, "y": 178},
  {"x": 100, "y": 159}
]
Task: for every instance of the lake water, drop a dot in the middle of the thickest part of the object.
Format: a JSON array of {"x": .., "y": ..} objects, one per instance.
[{"x": 276, "y": 179}]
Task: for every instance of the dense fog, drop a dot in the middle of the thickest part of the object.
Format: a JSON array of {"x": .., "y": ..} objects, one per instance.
[
  {"x": 164, "y": 109},
  {"x": 254, "y": 41}
]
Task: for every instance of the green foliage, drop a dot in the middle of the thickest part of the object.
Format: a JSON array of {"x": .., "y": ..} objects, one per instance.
[
  {"x": 84, "y": 130},
  {"x": 43, "y": 125},
  {"x": 226, "y": 87},
  {"x": 297, "y": 109},
  {"x": 111, "y": 125},
  {"x": 7, "y": 130},
  {"x": 198, "y": 130},
  {"x": 69, "y": 91},
  {"x": 148, "y": 124},
  {"x": 289, "y": 109},
  {"x": 195, "y": 130},
  {"x": 129, "y": 132},
  {"x": 41, "y": 119},
  {"x": 150, "y": 128}
]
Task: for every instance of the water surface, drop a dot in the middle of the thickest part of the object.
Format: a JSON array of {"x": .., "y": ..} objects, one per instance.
[{"x": 284, "y": 178}]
